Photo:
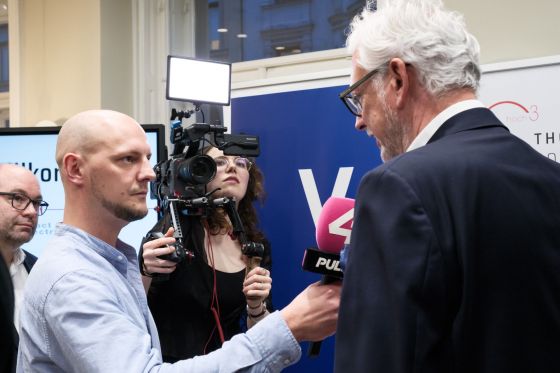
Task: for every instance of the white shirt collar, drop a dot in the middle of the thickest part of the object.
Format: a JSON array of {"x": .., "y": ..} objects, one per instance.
[
  {"x": 19, "y": 256},
  {"x": 427, "y": 132},
  {"x": 19, "y": 277}
]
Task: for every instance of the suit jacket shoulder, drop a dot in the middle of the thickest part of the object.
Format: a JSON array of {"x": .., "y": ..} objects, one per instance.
[{"x": 29, "y": 261}]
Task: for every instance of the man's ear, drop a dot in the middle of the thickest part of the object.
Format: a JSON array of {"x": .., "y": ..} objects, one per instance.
[
  {"x": 400, "y": 81},
  {"x": 73, "y": 168}
]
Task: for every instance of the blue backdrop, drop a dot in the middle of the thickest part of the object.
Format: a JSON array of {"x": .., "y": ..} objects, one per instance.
[{"x": 301, "y": 130}]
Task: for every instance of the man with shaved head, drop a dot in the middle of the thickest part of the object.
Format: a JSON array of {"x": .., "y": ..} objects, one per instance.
[{"x": 85, "y": 308}]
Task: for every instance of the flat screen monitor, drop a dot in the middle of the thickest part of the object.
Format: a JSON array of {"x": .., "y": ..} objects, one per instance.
[
  {"x": 198, "y": 81},
  {"x": 34, "y": 148}
]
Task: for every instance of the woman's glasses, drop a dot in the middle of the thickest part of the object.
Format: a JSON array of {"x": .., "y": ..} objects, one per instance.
[{"x": 240, "y": 162}]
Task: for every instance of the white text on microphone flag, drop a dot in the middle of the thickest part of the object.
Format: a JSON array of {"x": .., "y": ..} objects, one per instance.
[{"x": 337, "y": 225}]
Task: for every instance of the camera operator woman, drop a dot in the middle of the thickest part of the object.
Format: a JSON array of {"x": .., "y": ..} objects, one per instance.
[{"x": 209, "y": 298}]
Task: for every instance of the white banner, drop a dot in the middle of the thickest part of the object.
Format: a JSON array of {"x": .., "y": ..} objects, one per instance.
[{"x": 524, "y": 96}]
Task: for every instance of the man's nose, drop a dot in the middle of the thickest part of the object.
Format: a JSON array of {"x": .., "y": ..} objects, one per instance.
[
  {"x": 360, "y": 125},
  {"x": 147, "y": 172},
  {"x": 31, "y": 210}
]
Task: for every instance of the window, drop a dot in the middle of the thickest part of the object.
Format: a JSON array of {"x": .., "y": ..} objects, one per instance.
[
  {"x": 244, "y": 30},
  {"x": 4, "y": 58}
]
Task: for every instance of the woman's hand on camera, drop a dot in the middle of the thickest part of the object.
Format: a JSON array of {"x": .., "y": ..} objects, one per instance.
[
  {"x": 152, "y": 250},
  {"x": 256, "y": 287}
]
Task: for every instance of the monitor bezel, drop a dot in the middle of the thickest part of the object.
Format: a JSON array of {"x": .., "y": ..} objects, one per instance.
[{"x": 159, "y": 129}]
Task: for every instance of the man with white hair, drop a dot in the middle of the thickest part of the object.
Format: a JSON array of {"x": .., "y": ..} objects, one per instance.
[{"x": 454, "y": 258}]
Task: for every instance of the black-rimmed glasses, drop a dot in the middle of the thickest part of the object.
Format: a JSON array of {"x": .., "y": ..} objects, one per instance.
[
  {"x": 351, "y": 100},
  {"x": 21, "y": 201},
  {"x": 241, "y": 162}
]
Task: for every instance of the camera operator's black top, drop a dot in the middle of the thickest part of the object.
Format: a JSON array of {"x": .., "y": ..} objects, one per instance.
[{"x": 181, "y": 304}]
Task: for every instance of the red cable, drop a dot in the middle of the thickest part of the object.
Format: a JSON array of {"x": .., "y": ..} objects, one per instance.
[{"x": 214, "y": 305}]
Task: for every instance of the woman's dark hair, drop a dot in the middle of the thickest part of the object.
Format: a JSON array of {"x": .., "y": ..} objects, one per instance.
[{"x": 217, "y": 220}]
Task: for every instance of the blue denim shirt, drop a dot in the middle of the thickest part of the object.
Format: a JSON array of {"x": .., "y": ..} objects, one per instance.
[{"x": 85, "y": 310}]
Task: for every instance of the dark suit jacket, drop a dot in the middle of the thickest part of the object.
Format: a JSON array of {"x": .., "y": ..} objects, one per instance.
[
  {"x": 454, "y": 263},
  {"x": 8, "y": 334},
  {"x": 29, "y": 260}
]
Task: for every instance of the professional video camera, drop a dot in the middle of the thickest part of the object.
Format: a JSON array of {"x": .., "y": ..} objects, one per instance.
[
  {"x": 180, "y": 184},
  {"x": 185, "y": 173}
]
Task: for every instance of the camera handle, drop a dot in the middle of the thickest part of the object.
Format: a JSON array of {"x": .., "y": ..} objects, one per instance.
[
  {"x": 252, "y": 250},
  {"x": 181, "y": 253},
  {"x": 175, "y": 221}
]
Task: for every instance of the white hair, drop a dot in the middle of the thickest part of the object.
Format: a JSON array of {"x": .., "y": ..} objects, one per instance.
[{"x": 420, "y": 32}]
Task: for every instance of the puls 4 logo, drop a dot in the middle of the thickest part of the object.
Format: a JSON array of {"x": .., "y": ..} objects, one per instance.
[{"x": 330, "y": 264}]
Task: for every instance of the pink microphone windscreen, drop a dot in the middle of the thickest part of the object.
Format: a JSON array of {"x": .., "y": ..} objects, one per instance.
[{"x": 334, "y": 224}]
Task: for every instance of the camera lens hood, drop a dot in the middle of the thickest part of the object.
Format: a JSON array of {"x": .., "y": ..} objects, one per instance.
[{"x": 197, "y": 170}]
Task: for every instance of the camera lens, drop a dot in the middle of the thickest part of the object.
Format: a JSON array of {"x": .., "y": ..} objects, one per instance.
[{"x": 197, "y": 170}]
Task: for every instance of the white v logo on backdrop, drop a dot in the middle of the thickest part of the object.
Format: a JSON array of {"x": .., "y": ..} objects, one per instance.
[{"x": 312, "y": 194}]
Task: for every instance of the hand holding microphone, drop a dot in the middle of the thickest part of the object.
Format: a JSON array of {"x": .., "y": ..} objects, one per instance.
[{"x": 333, "y": 232}]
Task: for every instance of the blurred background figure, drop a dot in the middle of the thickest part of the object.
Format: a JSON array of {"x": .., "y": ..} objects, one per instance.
[{"x": 21, "y": 204}]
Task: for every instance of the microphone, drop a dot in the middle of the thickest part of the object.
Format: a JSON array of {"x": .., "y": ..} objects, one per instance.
[
  {"x": 335, "y": 224},
  {"x": 333, "y": 232},
  {"x": 326, "y": 264}
]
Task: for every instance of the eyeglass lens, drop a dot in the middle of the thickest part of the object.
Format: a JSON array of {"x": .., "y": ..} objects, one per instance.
[
  {"x": 20, "y": 202},
  {"x": 241, "y": 162},
  {"x": 353, "y": 104}
]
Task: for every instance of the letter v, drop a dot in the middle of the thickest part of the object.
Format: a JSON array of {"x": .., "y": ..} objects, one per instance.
[{"x": 312, "y": 194}]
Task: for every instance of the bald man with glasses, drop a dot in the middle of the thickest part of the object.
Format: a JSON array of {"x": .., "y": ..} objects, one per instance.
[{"x": 21, "y": 204}]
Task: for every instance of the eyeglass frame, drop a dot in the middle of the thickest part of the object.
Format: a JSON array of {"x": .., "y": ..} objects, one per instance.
[
  {"x": 38, "y": 204},
  {"x": 344, "y": 95},
  {"x": 250, "y": 164}
]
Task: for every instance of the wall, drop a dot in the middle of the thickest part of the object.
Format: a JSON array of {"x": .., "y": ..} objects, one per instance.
[
  {"x": 59, "y": 59},
  {"x": 69, "y": 56},
  {"x": 116, "y": 55},
  {"x": 512, "y": 29}
]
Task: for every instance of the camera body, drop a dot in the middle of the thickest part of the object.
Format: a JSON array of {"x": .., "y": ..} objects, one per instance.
[
  {"x": 181, "y": 177},
  {"x": 180, "y": 183},
  {"x": 185, "y": 174}
]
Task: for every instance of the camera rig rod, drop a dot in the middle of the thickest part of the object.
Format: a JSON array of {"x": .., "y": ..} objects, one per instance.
[
  {"x": 252, "y": 250},
  {"x": 175, "y": 221}
]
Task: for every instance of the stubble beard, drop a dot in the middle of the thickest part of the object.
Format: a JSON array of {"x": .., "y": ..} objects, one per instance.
[
  {"x": 119, "y": 209},
  {"x": 124, "y": 212},
  {"x": 396, "y": 138},
  {"x": 17, "y": 239}
]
